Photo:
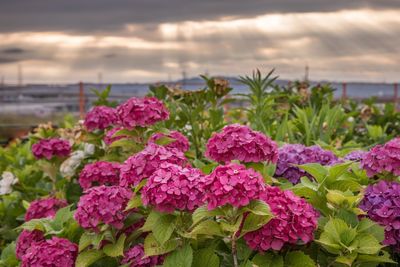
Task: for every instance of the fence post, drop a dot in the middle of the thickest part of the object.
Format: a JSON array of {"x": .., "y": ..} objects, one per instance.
[
  {"x": 81, "y": 100},
  {"x": 344, "y": 91}
]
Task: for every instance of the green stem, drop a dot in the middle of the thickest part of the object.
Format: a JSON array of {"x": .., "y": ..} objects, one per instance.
[{"x": 234, "y": 250}]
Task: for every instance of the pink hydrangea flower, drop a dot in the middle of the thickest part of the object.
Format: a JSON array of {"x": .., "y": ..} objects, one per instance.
[
  {"x": 52, "y": 147},
  {"x": 25, "y": 240},
  {"x": 141, "y": 112},
  {"x": 100, "y": 117},
  {"x": 232, "y": 184},
  {"x": 99, "y": 173},
  {"x": 172, "y": 187},
  {"x": 103, "y": 204},
  {"x": 54, "y": 252},
  {"x": 143, "y": 164},
  {"x": 135, "y": 257},
  {"x": 383, "y": 159},
  {"x": 238, "y": 142},
  {"x": 295, "y": 221},
  {"x": 44, "y": 208},
  {"x": 181, "y": 142},
  {"x": 109, "y": 137}
]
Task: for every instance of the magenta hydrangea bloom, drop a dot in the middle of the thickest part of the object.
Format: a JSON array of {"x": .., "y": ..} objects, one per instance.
[
  {"x": 173, "y": 187},
  {"x": 135, "y": 257},
  {"x": 181, "y": 142},
  {"x": 44, "y": 208},
  {"x": 143, "y": 164},
  {"x": 383, "y": 159},
  {"x": 99, "y": 173},
  {"x": 356, "y": 155},
  {"x": 238, "y": 142},
  {"x": 141, "y": 112},
  {"x": 25, "y": 240},
  {"x": 382, "y": 203},
  {"x": 294, "y": 220},
  {"x": 100, "y": 118},
  {"x": 232, "y": 184},
  {"x": 52, "y": 147},
  {"x": 109, "y": 137},
  {"x": 103, "y": 204},
  {"x": 54, "y": 252},
  {"x": 297, "y": 154}
]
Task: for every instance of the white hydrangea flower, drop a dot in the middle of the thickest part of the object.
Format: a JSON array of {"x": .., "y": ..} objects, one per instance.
[
  {"x": 69, "y": 166},
  {"x": 7, "y": 180},
  {"x": 88, "y": 149}
]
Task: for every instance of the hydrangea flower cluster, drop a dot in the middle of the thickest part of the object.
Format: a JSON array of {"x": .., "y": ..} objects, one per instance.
[
  {"x": 141, "y": 112},
  {"x": 294, "y": 220},
  {"x": 109, "y": 137},
  {"x": 232, "y": 184},
  {"x": 135, "y": 257},
  {"x": 44, "y": 208},
  {"x": 356, "y": 155},
  {"x": 50, "y": 253},
  {"x": 25, "y": 240},
  {"x": 181, "y": 142},
  {"x": 103, "y": 204},
  {"x": 382, "y": 203},
  {"x": 99, "y": 173},
  {"x": 143, "y": 164},
  {"x": 238, "y": 142},
  {"x": 100, "y": 117},
  {"x": 383, "y": 159},
  {"x": 297, "y": 154},
  {"x": 52, "y": 147},
  {"x": 172, "y": 187}
]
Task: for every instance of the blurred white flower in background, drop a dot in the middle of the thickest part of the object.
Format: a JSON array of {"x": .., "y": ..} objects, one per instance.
[
  {"x": 7, "y": 180},
  {"x": 69, "y": 166}
]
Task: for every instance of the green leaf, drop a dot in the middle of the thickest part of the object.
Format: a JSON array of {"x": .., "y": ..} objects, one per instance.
[
  {"x": 8, "y": 256},
  {"x": 368, "y": 244},
  {"x": 268, "y": 260},
  {"x": 254, "y": 222},
  {"x": 205, "y": 258},
  {"x": 134, "y": 202},
  {"x": 150, "y": 221},
  {"x": 258, "y": 207},
  {"x": 117, "y": 249},
  {"x": 202, "y": 213},
  {"x": 86, "y": 240},
  {"x": 164, "y": 140},
  {"x": 152, "y": 247},
  {"x": 368, "y": 226},
  {"x": 347, "y": 259},
  {"x": 337, "y": 170},
  {"x": 208, "y": 228},
  {"x": 294, "y": 258},
  {"x": 385, "y": 257},
  {"x": 335, "y": 228},
  {"x": 182, "y": 257},
  {"x": 305, "y": 181},
  {"x": 62, "y": 216},
  {"x": 86, "y": 258},
  {"x": 316, "y": 170},
  {"x": 164, "y": 227}
]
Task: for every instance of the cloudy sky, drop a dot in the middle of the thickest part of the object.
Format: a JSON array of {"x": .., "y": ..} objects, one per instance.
[{"x": 152, "y": 40}]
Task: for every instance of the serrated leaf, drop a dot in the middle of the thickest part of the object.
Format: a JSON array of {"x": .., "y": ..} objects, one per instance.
[
  {"x": 202, "y": 213},
  {"x": 134, "y": 202},
  {"x": 182, "y": 257},
  {"x": 150, "y": 221},
  {"x": 205, "y": 257},
  {"x": 368, "y": 244},
  {"x": 207, "y": 227},
  {"x": 368, "y": 226},
  {"x": 86, "y": 258},
  {"x": 152, "y": 247},
  {"x": 316, "y": 170},
  {"x": 164, "y": 227},
  {"x": 294, "y": 258},
  {"x": 254, "y": 222},
  {"x": 385, "y": 257},
  {"x": 86, "y": 240},
  {"x": 337, "y": 170},
  {"x": 258, "y": 207},
  {"x": 117, "y": 249},
  {"x": 305, "y": 181},
  {"x": 268, "y": 260}
]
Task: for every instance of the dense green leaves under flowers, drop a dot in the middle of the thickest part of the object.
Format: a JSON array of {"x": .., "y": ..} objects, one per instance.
[{"x": 294, "y": 114}]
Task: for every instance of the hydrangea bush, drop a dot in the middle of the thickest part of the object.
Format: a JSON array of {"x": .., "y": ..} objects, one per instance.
[{"x": 188, "y": 182}]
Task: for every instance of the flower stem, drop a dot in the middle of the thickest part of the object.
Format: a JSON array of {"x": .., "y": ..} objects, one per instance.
[{"x": 234, "y": 250}]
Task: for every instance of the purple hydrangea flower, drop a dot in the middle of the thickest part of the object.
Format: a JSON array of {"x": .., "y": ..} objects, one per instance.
[
  {"x": 135, "y": 257},
  {"x": 54, "y": 252},
  {"x": 25, "y": 240},
  {"x": 141, "y": 112},
  {"x": 383, "y": 159},
  {"x": 232, "y": 184},
  {"x": 100, "y": 117},
  {"x": 44, "y": 208},
  {"x": 294, "y": 220},
  {"x": 181, "y": 142},
  {"x": 382, "y": 203},
  {"x": 356, "y": 155},
  {"x": 99, "y": 173},
  {"x": 103, "y": 204},
  {"x": 143, "y": 164},
  {"x": 52, "y": 147},
  {"x": 297, "y": 154},
  {"x": 238, "y": 142},
  {"x": 172, "y": 187}
]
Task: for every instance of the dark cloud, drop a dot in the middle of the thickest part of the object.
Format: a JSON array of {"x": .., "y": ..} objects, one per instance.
[
  {"x": 13, "y": 50},
  {"x": 105, "y": 15}
]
